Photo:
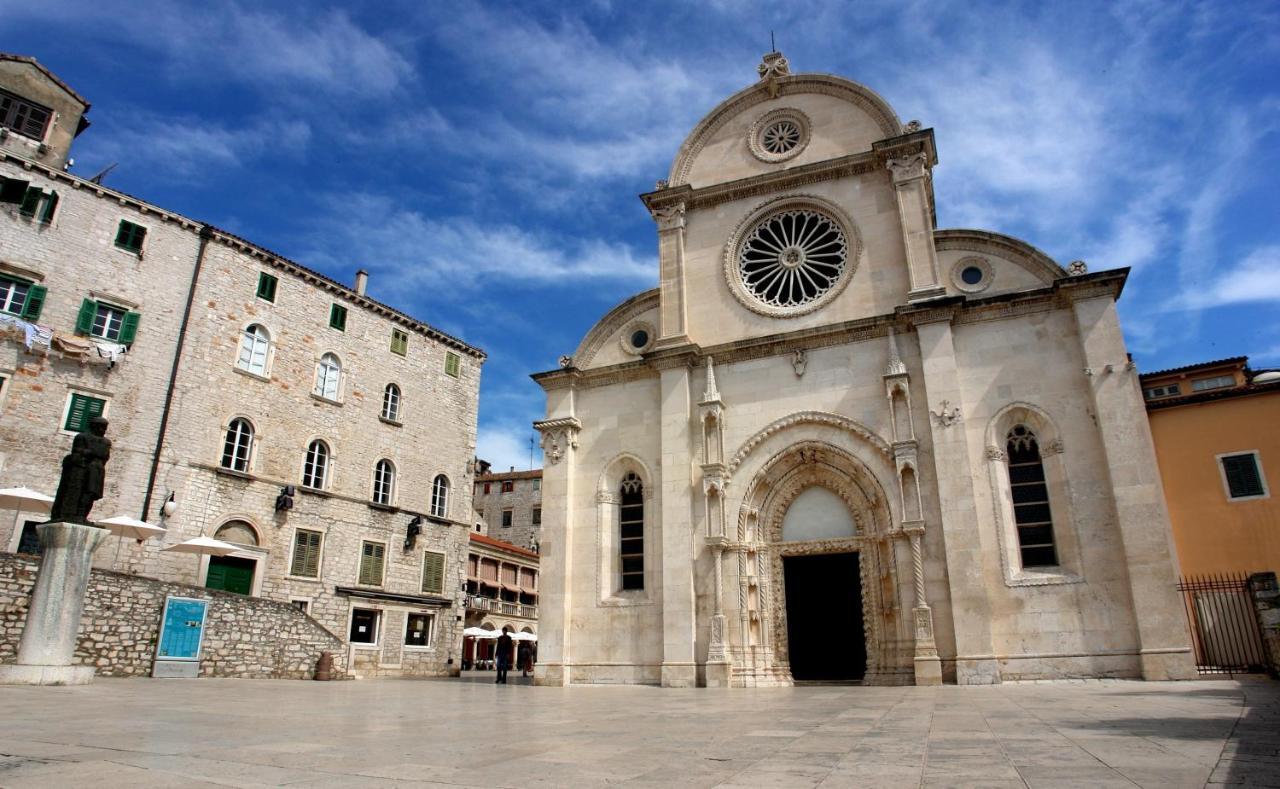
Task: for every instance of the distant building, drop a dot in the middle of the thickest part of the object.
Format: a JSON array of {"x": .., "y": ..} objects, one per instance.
[
  {"x": 329, "y": 436},
  {"x": 1216, "y": 427},
  {"x": 508, "y": 506},
  {"x": 502, "y": 591}
]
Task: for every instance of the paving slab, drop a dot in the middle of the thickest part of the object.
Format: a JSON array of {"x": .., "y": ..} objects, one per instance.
[{"x": 399, "y": 733}]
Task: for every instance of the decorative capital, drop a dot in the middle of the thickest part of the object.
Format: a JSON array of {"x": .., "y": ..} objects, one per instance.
[
  {"x": 606, "y": 497},
  {"x": 1053, "y": 447},
  {"x": 669, "y": 217},
  {"x": 558, "y": 437},
  {"x": 995, "y": 453},
  {"x": 908, "y": 168}
]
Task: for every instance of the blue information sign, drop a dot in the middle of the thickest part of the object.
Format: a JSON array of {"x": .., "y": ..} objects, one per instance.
[{"x": 182, "y": 628}]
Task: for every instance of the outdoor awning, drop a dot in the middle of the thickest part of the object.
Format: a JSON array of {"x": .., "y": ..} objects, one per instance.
[
  {"x": 377, "y": 594},
  {"x": 511, "y": 588}
]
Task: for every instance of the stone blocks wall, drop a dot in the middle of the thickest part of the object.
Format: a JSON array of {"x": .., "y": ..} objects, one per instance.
[{"x": 245, "y": 637}]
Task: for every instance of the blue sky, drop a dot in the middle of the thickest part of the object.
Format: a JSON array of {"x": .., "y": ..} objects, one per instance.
[{"x": 483, "y": 160}]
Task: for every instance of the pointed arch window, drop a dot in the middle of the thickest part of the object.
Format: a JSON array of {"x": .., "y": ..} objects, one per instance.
[
  {"x": 384, "y": 482},
  {"x": 315, "y": 469},
  {"x": 328, "y": 374},
  {"x": 391, "y": 403},
  {"x": 631, "y": 531},
  {"x": 440, "y": 496},
  {"x": 255, "y": 343},
  {"x": 237, "y": 445},
  {"x": 1030, "y": 492}
]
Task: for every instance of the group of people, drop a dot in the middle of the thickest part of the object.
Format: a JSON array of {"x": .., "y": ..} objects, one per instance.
[{"x": 524, "y": 656}]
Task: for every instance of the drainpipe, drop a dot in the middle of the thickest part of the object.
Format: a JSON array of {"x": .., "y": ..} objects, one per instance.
[{"x": 206, "y": 233}]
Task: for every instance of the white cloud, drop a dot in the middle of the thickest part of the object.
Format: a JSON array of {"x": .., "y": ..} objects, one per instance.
[
  {"x": 505, "y": 445},
  {"x": 179, "y": 148},
  {"x": 1256, "y": 279}
]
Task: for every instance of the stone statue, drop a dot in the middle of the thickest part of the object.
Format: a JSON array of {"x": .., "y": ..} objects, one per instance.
[{"x": 83, "y": 474}]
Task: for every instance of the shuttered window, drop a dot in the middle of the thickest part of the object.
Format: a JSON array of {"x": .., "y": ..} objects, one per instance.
[
  {"x": 452, "y": 364},
  {"x": 1243, "y": 475},
  {"x": 399, "y": 342},
  {"x": 130, "y": 236},
  {"x": 266, "y": 286},
  {"x": 81, "y": 410},
  {"x": 1030, "y": 492},
  {"x": 371, "y": 563},
  {"x": 631, "y": 532},
  {"x": 25, "y": 117},
  {"x": 39, "y": 205},
  {"x": 21, "y": 298},
  {"x": 338, "y": 317},
  {"x": 103, "y": 320},
  {"x": 433, "y": 572},
  {"x": 306, "y": 554}
]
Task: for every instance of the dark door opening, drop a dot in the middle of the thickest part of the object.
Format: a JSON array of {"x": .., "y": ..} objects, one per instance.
[
  {"x": 231, "y": 574},
  {"x": 824, "y": 617}
]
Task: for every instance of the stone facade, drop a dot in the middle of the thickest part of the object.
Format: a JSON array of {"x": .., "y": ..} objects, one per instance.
[
  {"x": 519, "y": 492},
  {"x": 824, "y": 373},
  {"x": 188, "y": 377},
  {"x": 244, "y": 636},
  {"x": 502, "y": 591},
  {"x": 48, "y": 127}
]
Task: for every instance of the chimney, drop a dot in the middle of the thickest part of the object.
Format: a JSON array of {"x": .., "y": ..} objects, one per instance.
[
  {"x": 513, "y": 468},
  {"x": 362, "y": 281}
]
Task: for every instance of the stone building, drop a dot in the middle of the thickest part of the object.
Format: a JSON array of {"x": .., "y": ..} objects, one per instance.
[
  {"x": 837, "y": 442},
  {"x": 508, "y": 506},
  {"x": 328, "y": 435},
  {"x": 502, "y": 591}
]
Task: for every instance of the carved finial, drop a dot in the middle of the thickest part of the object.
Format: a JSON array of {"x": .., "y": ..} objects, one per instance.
[
  {"x": 912, "y": 127},
  {"x": 566, "y": 360},
  {"x": 772, "y": 67},
  {"x": 895, "y": 366},
  {"x": 662, "y": 183},
  {"x": 712, "y": 393},
  {"x": 1077, "y": 267}
]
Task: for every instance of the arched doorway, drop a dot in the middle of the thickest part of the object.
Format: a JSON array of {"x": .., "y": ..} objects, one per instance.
[
  {"x": 234, "y": 573},
  {"x": 825, "y": 636}
]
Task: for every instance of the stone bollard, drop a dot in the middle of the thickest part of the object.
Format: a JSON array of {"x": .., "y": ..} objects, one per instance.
[
  {"x": 49, "y": 636},
  {"x": 324, "y": 667}
]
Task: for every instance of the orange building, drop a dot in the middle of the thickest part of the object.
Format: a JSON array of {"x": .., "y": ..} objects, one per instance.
[{"x": 1216, "y": 427}]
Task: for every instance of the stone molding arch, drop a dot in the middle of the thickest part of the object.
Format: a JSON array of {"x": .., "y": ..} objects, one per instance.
[
  {"x": 866, "y": 99},
  {"x": 1005, "y": 247},
  {"x": 249, "y": 521},
  {"x": 612, "y": 322},
  {"x": 608, "y": 502},
  {"x": 847, "y": 424}
]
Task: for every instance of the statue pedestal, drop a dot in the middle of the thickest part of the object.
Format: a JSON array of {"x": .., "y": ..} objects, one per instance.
[{"x": 48, "y": 644}]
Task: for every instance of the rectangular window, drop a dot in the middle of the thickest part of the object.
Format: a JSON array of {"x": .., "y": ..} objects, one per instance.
[
  {"x": 508, "y": 486},
  {"x": 433, "y": 572},
  {"x": 1243, "y": 475},
  {"x": 267, "y": 286},
  {"x": 486, "y": 488},
  {"x": 39, "y": 205},
  {"x": 99, "y": 319},
  {"x": 130, "y": 236},
  {"x": 537, "y": 516},
  {"x": 1217, "y": 382},
  {"x": 25, "y": 117},
  {"x": 537, "y": 485},
  {"x": 417, "y": 631},
  {"x": 81, "y": 409},
  {"x": 631, "y": 534},
  {"x": 399, "y": 342},
  {"x": 364, "y": 625},
  {"x": 306, "y": 554},
  {"x": 506, "y": 518},
  {"x": 302, "y": 605},
  {"x": 338, "y": 317},
  {"x": 372, "y": 555},
  {"x": 1168, "y": 390},
  {"x": 21, "y": 298},
  {"x": 452, "y": 364}
]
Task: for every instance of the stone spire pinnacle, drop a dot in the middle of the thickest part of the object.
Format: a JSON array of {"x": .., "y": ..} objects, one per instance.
[
  {"x": 895, "y": 366},
  {"x": 712, "y": 394}
]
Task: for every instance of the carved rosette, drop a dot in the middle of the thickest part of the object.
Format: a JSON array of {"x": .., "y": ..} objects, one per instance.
[{"x": 558, "y": 437}]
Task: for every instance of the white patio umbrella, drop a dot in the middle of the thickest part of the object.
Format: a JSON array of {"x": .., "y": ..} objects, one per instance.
[
  {"x": 203, "y": 546},
  {"x": 125, "y": 526},
  {"x": 523, "y": 637},
  {"x": 480, "y": 632},
  {"x": 24, "y": 500}
]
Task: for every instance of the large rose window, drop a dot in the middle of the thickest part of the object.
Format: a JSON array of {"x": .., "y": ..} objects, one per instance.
[{"x": 793, "y": 258}]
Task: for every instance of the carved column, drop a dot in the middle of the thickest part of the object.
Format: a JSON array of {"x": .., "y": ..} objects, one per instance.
[
  {"x": 928, "y": 668},
  {"x": 559, "y": 439},
  {"x": 718, "y": 668},
  {"x": 911, "y": 186},
  {"x": 673, "y": 314}
]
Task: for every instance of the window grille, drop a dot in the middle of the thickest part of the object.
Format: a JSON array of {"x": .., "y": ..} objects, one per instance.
[
  {"x": 237, "y": 446},
  {"x": 1030, "y": 492},
  {"x": 254, "y": 345},
  {"x": 315, "y": 469},
  {"x": 631, "y": 532},
  {"x": 384, "y": 480}
]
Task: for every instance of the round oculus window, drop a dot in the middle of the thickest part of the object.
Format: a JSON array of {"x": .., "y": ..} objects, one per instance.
[
  {"x": 971, "y": 275},
  {"x": 639, "y": 338},
  {"x": 793, "y": 258},
  {"x": 779, "y": 135}
]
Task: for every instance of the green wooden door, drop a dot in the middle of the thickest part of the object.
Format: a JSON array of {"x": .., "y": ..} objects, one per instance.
[{"x": 230, "y": 574}]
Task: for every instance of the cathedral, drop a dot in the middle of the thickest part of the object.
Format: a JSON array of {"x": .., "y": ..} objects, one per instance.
[{"x": 837, "y": 443}]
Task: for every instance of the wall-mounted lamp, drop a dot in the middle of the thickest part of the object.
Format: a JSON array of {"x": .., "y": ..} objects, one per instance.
[
  {"x": 411, "y": 536},
  {"x": 169, "y": 506}
]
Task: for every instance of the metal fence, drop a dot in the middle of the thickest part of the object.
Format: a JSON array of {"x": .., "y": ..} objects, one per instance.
[{"x": 1224, "y": 624}]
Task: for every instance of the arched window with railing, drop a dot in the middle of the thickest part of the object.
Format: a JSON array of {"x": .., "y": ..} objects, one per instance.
[
  {"x": 237, "y": 445},
  {"x": 1030, "y": 493},
  {"x": 631, "y": 531}
]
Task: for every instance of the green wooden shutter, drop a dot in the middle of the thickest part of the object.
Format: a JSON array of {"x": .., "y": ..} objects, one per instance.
[
  {"x": 50, "y": 206},
  {"x": 129, "y": 328},
  {"x": 433, "y": 573},
  {"x": 34, "y": 303},
  {"x": 399, "y": 342},
  {"x": 306, "y": 554},
  {"x": 30, "y": 202},
  {"x": 84, "y": 319},
  {"x": 82, "y": 409},
  {"x": 266, "y": 287},
  {"x": 451, "y": 364},
  {"x": 1243, "y": 478},
  {"x": 338, "y": 317},
  {"x": 371, "y": 555}
]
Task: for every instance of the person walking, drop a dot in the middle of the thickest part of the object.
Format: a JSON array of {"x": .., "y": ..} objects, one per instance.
[
  {"x": 503, "y": 648},
  {"x": 524, "y": 658}
]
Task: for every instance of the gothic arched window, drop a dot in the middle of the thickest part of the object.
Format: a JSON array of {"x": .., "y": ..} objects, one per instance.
[
  {"x": 315, "y": 469},
  {"x": 391, "y": 403},
  {"x": 440, "y": 497},
  {"x": 1031, "y": 512},
  {"x": 237, "y": 445},
  {"x": 631, "y": 531}
]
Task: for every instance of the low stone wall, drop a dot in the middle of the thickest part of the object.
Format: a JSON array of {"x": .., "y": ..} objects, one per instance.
[{"x": 244, "y": 636}]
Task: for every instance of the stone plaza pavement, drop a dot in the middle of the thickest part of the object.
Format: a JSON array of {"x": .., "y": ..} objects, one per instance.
[{"x": 383, "y": 733}]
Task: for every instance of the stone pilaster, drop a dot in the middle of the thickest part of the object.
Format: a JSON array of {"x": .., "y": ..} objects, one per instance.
[
  {"x": 678, "y": 617},
  {"x": 559, "y": 439},
  {"x": 971, "y": 607},
  {"x": 718, "y": 667},
  {"x": 911, "y": 186},
  {"x": 1141, "y": 514},
  {"x": 673, "y": 328}
]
